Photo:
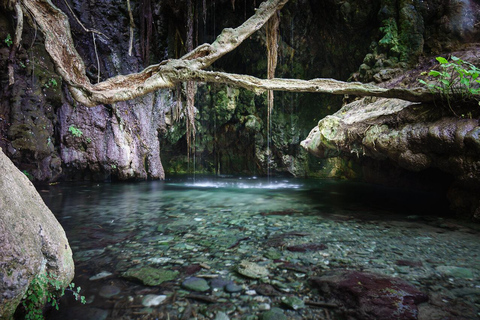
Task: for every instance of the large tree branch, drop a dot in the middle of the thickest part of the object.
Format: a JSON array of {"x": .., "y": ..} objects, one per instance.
[
  {"x": 59, "y": 44},
  {"x": 321, "y": 85}
]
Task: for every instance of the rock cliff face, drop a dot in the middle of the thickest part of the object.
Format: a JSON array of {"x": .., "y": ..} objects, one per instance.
[
  {"x": 414, "y": 137},
  {"x": 32, "y": 242},
  {"x": 51, "y": 137},
  {"x": 409, "y": 139},
  {"x": 118, "y": 141}
]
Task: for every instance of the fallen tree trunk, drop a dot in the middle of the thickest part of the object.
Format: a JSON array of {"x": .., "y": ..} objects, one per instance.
[{"x": 59, "y": 44}]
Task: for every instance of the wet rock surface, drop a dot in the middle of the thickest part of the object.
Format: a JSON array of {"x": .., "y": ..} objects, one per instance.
[
  {"x": 372, "y": 296},
  {"x": 424, "y": 265}
]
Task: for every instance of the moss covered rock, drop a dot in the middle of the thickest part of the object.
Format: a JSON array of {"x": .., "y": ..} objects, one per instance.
[{"x": 150, "y": 276}]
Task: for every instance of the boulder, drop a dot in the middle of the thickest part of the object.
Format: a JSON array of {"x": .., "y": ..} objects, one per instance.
[
  {"x": 369, "y": 296},
  {"x": 32, "y": 241}
]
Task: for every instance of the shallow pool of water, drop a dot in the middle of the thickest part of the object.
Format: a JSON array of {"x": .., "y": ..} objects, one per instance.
[{"x": 205, "y": 227}]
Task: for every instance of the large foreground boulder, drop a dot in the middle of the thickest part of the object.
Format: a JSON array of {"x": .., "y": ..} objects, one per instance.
[{"x": 31, "y": 239}]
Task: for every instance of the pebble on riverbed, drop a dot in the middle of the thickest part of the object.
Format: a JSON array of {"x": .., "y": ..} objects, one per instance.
[
  {"x": 252, "y": 270},
  {"x": 196, "y": 284},
  {"x": 153, "y": 300}
]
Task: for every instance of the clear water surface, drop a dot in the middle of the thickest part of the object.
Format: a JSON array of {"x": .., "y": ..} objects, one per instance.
[{"x": 204, "y": 227}]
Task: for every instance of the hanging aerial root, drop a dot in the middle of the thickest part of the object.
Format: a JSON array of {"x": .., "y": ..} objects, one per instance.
[
  {"x": 132, "y": 27},
  {"x": 272, "y": 55},
  {"x": 17, "y": 38}
]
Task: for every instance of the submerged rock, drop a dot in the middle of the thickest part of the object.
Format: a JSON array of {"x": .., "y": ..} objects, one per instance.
[
  {"x": 233, "y": 288},
  {"x": 150, "y": 276},
  {"x": 455, "y": 272},
  {"x": 153, "y": 300},
  {"x": 101, "y": 275},
  {"x": 274, "y": 314},
  {"x": 294, "y": 303},
  {"x": 304, "y": 247},
  {"x": 372, "y": 296},
  {"x": 252, "y": 270},
  {"x": 221, "y": 316},
  {"x": 196, "y": 284},
  {"x": 109, "y": 291}
]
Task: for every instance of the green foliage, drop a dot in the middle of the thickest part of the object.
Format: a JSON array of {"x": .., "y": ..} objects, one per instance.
[
  {"x": 75, "y": 131},
  {"x": 38, "y": 293},
  {"x": 456, "y": 79},
  {"x": 29, "y": 176},
  {"x": 8, "y": 40},
  {"x": 51, "y": 83},
  {"x": 391, "y": 39}
]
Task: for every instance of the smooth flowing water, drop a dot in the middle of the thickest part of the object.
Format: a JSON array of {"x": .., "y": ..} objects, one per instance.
[{"x": 287, "y": 230}]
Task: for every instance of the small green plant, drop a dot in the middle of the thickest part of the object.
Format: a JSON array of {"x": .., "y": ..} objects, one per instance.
[
  {"x": 8, "y": 40},
  {"x": 29, "y": 176},
  {"x": 38, "y": 293},
  {"x": 51, "y": 83},
  {"x": 457, "y": 79},
  {"x": 75, "y": 131}
]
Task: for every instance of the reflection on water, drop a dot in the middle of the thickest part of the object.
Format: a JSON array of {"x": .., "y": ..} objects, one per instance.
[{"x": 208, "y": 225}]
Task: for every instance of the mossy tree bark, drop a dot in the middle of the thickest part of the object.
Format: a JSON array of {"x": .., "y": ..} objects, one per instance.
[{"x": 59, "y": 44}]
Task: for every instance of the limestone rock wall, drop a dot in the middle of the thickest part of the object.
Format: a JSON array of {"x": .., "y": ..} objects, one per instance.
[
  {"x": 31, "y": 239},
  {"x": 50, "y": 137},
  {"x": 413, "y": 136}
]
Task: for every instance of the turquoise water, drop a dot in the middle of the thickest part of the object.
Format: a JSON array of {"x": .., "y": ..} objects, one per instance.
[{"x": 207, "y": 225}]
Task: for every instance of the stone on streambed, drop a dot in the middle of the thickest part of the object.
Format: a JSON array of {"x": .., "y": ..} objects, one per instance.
[
  {"x": 252, "y": 270},
  {"x": 455, "y": 272},
  {"x": 196, "y": 284},
  {"x": 274, "y": 314},
  {"x": 233, "y": 288},
  {"x": 153, "y": 300},
  {"x": 101, "y": 275},
  {"x": 150, "y": 276},
  {"x": 221, "y": 316},
  {"x": 109, "y": 291},
  {"x": 372, "y": 296},
  {"x": 294, "y": 303},
  {"x": 219, "y": 283}
]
